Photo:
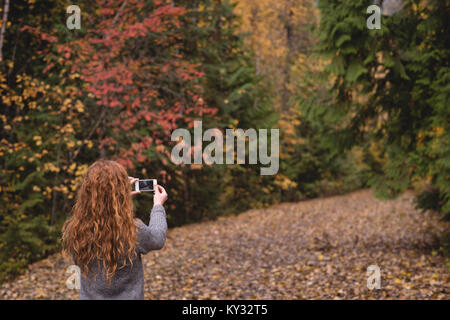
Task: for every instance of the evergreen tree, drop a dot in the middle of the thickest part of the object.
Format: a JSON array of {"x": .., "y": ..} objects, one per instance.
[
  {"x": 212, "y": 39},
  {"x": 391, "y": 92}
]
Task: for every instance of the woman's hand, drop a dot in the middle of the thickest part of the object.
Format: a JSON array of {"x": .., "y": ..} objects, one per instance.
[
  {"x": 132, "y": 181},
  {"x": 160, "y": 195}
]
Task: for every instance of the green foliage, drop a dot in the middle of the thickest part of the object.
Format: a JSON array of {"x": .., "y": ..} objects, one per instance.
[
  {"x": 391, "y": 89},
  {"x": 24, "y": 241},
  {"x": 230, "y": 84},
  {"x": 54, "y": 119},
  {"x": 319, "y": 167}
]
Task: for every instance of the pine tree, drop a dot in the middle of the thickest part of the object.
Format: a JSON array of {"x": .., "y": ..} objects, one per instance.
[
  {"x": 391, "y": 91},
  {"x": 231, "y": 85}
]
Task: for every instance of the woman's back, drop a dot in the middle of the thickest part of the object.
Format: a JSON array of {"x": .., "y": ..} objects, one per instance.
[
  {"x": 105, "y": 239},
  {"x": 128, "y": 280}
]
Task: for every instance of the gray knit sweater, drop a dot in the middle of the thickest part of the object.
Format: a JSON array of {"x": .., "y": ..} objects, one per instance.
[{"x": 128, "y": 281}]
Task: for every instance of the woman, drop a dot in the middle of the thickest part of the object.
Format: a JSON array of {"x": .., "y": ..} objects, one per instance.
[{"x": 104, "y": 238}]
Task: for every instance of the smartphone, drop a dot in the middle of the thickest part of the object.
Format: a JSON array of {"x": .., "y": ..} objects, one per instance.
[{"x": 145, "y": 185}]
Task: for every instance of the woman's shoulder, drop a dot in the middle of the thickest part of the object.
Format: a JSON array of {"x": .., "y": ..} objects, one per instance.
[{"x": 138, "y": 222}]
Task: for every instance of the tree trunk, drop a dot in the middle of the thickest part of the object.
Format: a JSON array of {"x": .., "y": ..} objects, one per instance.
[{"x": 2, "y": 32}]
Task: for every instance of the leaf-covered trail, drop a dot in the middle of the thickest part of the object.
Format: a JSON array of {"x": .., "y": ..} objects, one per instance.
[{"x": 313, "y": 249}]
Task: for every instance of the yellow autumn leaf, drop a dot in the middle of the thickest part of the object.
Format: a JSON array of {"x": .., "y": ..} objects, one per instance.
[
  {"x": 72, "y": 167},
  {"x": 79, "y": 106},
  {"x": 70, "y": 144}
]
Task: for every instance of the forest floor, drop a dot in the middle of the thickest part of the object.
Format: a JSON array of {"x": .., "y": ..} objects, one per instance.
[{"x": 313, "y": 249}]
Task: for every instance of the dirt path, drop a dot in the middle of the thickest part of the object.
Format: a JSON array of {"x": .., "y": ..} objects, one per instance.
[{"x": 314, "y": 249}]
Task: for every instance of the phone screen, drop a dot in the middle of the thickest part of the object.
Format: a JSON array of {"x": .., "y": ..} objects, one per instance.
[{"x": 147, "y": 185}]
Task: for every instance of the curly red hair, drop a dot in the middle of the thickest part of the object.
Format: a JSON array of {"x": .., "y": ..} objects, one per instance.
[{"x": 102, "y": 226}]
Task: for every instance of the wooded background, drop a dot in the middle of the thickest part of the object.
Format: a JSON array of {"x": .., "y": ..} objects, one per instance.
[{"x": 355, "y": 107}]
